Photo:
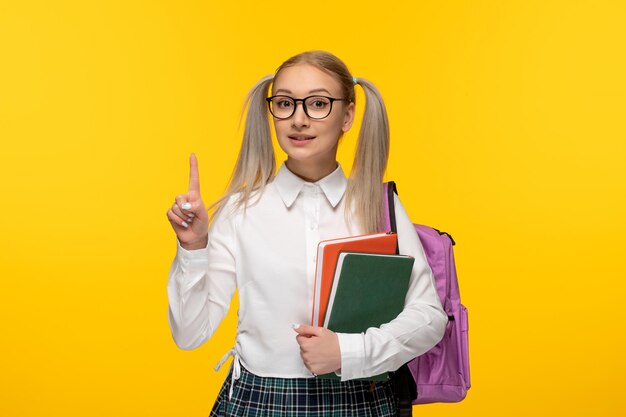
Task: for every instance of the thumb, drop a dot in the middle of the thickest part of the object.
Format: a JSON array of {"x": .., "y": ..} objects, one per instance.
[{"x": 306, "y": 330}]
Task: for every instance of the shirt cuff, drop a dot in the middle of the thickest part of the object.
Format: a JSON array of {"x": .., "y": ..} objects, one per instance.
[
  {"x": 191, "y": 256},
  {"x": 352, "y": 347}
]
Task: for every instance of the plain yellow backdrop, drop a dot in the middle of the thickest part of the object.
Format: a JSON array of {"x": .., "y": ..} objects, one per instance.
[{"x": 507, "y": 123}]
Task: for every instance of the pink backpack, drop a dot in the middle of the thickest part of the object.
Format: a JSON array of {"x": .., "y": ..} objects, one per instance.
[{"x": 442, "y": 373}]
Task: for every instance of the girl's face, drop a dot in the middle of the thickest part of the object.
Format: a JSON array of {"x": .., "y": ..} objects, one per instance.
[{"x": 311, "y": 144}]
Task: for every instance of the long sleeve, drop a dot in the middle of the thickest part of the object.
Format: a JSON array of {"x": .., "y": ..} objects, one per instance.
[
  {"x": 417, "y": 328},
  {"x": 201, "y": 285}
]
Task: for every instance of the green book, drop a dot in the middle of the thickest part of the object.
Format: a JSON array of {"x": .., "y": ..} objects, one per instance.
[{"x": 368, "y": 291}]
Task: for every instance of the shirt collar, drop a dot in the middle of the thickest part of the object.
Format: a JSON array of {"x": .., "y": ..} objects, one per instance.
[{"x": 289, "y": 185}]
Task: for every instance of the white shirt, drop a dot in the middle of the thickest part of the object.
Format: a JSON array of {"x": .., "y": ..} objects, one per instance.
[{"x": 268, "y": 254}]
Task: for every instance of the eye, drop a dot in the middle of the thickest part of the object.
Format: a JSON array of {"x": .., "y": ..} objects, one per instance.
[
  {"x": 318, "y": 102},
  {"x": 283, "y": 103}
]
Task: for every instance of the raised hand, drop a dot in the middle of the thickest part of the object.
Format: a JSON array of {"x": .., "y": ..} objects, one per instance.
[{"x": 188, "y": 215}]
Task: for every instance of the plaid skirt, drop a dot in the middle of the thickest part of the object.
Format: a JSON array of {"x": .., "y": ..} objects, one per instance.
[{"x": 256, "y": 396}]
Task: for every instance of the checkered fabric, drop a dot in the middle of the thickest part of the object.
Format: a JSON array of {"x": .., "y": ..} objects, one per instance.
[{"x": 255, "y": 396}]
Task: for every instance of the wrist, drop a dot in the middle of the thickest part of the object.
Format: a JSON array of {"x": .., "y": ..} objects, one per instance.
[{"x": 196, "y": 244}]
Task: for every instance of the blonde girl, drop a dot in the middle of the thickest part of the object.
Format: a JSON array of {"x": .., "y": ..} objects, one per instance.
[{"x": 261, "y": 239}]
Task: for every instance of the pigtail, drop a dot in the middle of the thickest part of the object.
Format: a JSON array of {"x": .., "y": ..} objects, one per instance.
[
  {"x": 365, "y": 192},
  {"x": 256, "y": 163}
]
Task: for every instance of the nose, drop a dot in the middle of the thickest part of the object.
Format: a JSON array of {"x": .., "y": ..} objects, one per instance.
[{"x": 299, "y": 116}]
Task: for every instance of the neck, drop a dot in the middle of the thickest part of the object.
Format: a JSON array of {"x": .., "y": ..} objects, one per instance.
[{"x": 311, "y": 173}]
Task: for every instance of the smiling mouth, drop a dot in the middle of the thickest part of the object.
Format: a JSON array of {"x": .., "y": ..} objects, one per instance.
[{"x": 302, "y": 138}]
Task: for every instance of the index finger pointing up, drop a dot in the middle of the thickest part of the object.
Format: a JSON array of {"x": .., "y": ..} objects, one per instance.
[{"x": 194, "y": 181}]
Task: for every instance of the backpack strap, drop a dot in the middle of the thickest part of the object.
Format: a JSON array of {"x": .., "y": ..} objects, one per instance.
[
  {"x": 390, "y": 209},
  {"x": 405, "y": 389}
]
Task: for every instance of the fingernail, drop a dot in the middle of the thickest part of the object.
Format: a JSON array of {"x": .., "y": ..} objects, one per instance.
[
  {"x": 185, "y": 224},
  {"x": 191, "y": 215},
  {"x": 190, "y": 219},
  {"x": 295, "y": 326},
  {"x": 186, "y": 206}
]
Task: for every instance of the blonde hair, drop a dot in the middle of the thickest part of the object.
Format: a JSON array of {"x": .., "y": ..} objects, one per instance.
[{"x": 256, "y": 164}]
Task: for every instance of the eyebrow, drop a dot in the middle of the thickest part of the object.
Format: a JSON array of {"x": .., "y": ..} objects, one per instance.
[{"x": 317, "y": 90}]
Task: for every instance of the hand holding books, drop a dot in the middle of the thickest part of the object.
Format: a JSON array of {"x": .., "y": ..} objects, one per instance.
[{"x": 319, "y": 348}]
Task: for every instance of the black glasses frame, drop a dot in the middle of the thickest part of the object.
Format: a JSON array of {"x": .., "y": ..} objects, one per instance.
[{"x": 295, "y": 105}]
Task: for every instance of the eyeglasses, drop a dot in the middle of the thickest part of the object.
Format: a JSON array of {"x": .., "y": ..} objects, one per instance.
[{"x": 316, "y": 107}]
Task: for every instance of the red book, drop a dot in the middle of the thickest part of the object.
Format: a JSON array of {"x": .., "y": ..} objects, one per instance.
[{"x": 327, "y": 254}]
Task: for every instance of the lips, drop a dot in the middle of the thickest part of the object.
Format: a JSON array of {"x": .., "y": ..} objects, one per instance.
[{"x": 301, "y": 137}]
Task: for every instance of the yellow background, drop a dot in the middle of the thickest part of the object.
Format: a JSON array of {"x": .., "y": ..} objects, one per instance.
[{"x": 507, "y": 123}]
